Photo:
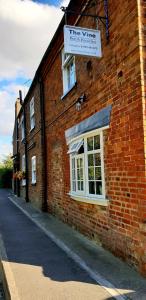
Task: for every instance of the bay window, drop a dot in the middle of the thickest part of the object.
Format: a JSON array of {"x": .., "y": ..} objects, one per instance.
[{"x": 87, "y": 166}]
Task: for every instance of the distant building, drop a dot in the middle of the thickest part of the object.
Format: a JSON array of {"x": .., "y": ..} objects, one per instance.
[{"x": 85, "y": 131}]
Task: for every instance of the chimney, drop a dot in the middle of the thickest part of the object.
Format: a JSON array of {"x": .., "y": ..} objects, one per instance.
[{"x": 17, "y": 107}]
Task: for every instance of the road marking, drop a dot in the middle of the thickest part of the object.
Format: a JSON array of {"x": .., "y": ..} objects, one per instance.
[{"x": 111, "y": 289}]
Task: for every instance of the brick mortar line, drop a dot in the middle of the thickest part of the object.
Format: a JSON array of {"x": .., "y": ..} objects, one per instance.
[{"x": 109, "y": 287}]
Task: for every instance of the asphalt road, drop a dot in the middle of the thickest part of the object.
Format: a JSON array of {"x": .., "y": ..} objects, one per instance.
[{"x": 40, "y": 269}]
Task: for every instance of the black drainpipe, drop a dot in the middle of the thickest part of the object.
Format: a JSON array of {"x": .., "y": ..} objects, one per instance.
[
  {"x": 25, "y": 145},
  {"x": 43, "y": 148}
]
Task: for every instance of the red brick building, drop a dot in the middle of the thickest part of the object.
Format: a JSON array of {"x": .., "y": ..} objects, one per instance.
[
  {"x": 94, "y": 112},
  {"x": 29, "y": 154}
]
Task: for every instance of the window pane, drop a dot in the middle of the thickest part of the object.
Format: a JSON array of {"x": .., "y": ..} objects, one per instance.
[
  {"x": 32, "y": 121},
  {"x": 91, "y": 173},
  {"x": 97, "y": 159},
  {"x": 90, "y": 160},
  {"x": 73, "y": 163},
  {"x": 73, "y": 174},
  {"x": 81, "y": 150},
  {"x": 91, "y": 187},
  {"x": 98, "y": 173},
  {"x": 72, "y": 80},
  {"x": 78, "y": 163},
  {"x": 70, "y": 74},
  {"x": 97, "y": 142},
  {"x": 77, "y": 147},
  {"x": 82, "y": 186},
  {"x": 90, "y": 144},
  {"x": 81, "y": 162},
  {"x": 74, "y": 186},
  {"x": 78, "y": 174},
  {"x": 79, "y": 185},
  {"x": 98, "y": 188},
  {"x": 81, "y": 173}
]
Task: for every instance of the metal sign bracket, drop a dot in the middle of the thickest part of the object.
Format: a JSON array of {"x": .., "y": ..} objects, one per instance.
[{"x": 103, "y": 19}]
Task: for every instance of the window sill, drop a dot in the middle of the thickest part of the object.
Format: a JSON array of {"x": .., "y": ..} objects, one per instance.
[
  {"x": 84, "y": 199},
  {"x": 33, "y": 183},
  {"x": 68, "y": 91}
]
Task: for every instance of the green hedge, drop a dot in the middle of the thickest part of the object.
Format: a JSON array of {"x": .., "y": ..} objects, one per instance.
[{"x": 5, "y": 178}]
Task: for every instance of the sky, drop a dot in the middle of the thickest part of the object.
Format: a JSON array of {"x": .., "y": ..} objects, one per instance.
[{"x": 26, "y": 29}]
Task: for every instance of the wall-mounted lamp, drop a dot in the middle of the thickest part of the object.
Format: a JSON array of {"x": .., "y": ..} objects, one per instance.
[{"x": 79, "y": 102}]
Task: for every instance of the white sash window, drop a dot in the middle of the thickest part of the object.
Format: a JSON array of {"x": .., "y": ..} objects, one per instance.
[
  {"x": 68, "y": 71},
  {"x": 33, "y": 169}
]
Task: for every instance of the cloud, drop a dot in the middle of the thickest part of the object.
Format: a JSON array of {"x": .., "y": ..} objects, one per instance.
[{"x": 26, "y": 28}]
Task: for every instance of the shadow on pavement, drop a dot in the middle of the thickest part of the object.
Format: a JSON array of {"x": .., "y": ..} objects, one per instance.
[{"x": 27, "y": 245}]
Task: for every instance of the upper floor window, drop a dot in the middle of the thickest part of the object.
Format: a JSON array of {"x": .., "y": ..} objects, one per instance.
[
  {"x": 68, "y": 71},
  {"x": 33, "y": 169},
  {"x": 87, "y": 166},
  {"x": 22, "y": 128},
  {"x": 23, "y": 169},
  {"x": 32, "y": 116}
]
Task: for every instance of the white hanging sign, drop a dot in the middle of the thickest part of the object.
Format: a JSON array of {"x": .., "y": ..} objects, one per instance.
[{"x": 82, "y": 41}]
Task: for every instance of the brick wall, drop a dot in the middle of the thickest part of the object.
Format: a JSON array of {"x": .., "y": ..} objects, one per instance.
[
  {"x": 114, "y": 79},
  {"x": 142, "y": 202}
]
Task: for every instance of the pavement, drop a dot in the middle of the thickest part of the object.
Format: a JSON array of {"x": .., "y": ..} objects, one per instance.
[{"x": 44, "y": 259}]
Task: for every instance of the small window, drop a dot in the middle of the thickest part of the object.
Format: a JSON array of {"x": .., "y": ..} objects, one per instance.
[
  {"x": 32, "y": 115},
  {"x": 33, "y": 169},
  {"x": 23, "y": 169},
  {"x": 68, "y": 70}
]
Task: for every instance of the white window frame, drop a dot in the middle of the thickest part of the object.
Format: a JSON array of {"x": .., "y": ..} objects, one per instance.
[
  {"x": 33, "y": 169},
  {"x": 67, "y": 60},
  {"x": 23, "y": 169},
  {"x": 22, "y": 128},
  {"x": 32, "y": 114},
  {"x": 79, "y": 192},
  {"x": 85, "y": 195}
]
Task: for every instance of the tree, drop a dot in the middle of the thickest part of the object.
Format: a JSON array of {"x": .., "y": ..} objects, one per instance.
[
  {"x": 7, "y": 162},
  {"x": 6, "y": 167}
]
